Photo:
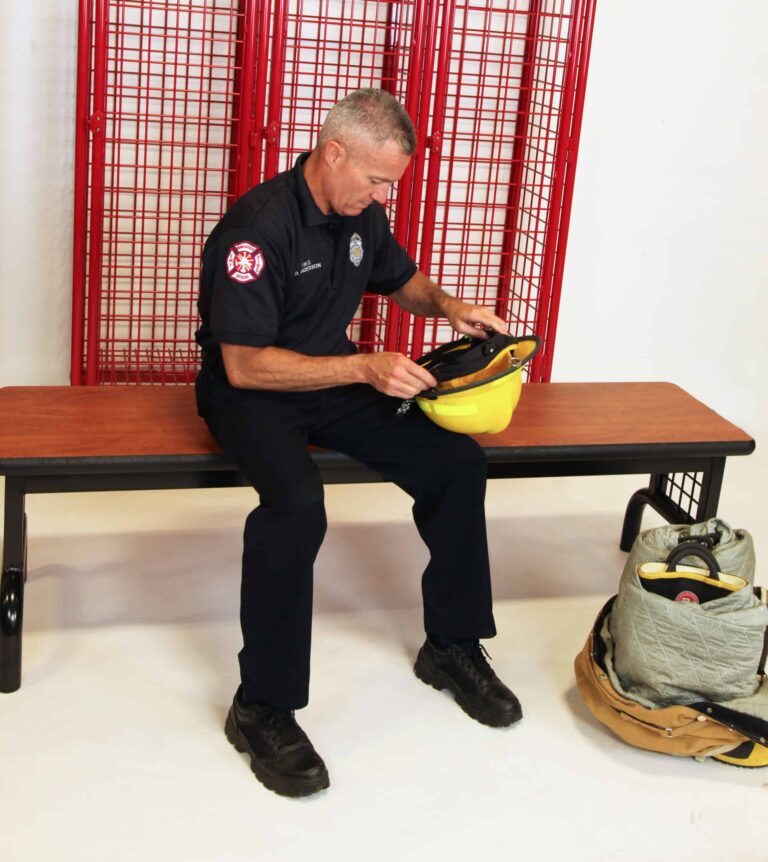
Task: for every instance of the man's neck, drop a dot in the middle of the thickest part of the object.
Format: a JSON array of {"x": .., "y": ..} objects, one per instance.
[{"x": 311, "y": 171}]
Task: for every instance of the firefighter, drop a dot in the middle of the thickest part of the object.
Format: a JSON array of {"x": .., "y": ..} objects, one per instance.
[{"x": 282, "y": 275}]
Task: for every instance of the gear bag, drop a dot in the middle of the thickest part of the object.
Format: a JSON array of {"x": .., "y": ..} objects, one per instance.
[{"x": 676, "y": 661}]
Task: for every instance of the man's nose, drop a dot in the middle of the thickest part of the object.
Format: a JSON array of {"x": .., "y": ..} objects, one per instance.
[{"x": 379, "y": 194}]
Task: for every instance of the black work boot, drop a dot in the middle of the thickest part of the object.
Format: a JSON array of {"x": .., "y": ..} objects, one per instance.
[
  {"x": 282, "y": 757},
  {"x": 463, "y": 669}
]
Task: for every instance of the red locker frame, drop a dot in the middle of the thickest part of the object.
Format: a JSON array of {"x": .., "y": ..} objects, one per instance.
[{"x": 182, "y": 105}]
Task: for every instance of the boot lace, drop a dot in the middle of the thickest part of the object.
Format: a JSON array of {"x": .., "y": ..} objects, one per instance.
[
  {"x": 473, "y": 660},
  {"x": 281, "y": 729}
]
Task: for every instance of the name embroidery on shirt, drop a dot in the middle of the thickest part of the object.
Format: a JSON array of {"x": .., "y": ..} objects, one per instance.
[
  {"x": 245, "y": 262},
  {"x": 307, "y": 266}
]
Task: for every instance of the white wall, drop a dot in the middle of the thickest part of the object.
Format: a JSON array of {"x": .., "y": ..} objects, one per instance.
[
  {"x": 667, "y": 263},
  {"x": 38, "y": 63},
  {"x": 666, "y": 274}
]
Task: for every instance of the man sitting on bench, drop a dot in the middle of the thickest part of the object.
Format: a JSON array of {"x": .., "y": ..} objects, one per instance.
[{"x": 283, "y": 273}]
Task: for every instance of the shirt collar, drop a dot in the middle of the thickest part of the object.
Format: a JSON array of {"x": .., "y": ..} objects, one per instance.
[{"x": 311, "y": 213}]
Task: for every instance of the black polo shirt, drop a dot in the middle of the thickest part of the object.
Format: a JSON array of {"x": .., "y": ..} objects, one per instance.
[{"x": 277, "y": 271}]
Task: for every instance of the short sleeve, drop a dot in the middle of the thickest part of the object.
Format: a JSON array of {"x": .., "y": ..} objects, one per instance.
[
  {"x": 248, "y": 289},
  {"x": 392, "y": 266}
]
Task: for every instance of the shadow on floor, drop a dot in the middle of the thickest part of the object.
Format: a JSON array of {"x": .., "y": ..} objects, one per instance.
[{"x": 175, "y": 576}]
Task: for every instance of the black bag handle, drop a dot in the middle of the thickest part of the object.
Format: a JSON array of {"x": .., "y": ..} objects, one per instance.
[
  {"x": 693, "y": 549},
  {"x": 709, "y": 540}
]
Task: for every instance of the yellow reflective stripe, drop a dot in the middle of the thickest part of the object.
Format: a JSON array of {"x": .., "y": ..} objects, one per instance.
[
  {"x": 455, "y": 409},
  {"x": 727, "y": 582}
]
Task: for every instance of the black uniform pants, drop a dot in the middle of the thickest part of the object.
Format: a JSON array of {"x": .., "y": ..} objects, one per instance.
[{"x": 266, "y": 434}]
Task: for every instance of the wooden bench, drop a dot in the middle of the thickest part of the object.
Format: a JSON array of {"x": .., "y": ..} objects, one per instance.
[{"x": 57, "y": 439}]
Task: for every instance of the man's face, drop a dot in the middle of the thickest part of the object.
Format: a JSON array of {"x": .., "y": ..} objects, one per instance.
[{"x": 362, "y": 174}]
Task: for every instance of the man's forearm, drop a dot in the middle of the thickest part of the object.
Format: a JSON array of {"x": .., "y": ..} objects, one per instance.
[
  {"x": 420, "y": 295},
  {"x": 285, "y": 370}
]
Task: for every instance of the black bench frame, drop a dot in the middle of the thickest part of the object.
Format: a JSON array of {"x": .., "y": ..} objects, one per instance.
[{"x": 684, "y": 487}]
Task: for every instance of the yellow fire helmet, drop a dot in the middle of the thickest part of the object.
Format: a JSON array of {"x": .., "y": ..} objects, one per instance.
[{"x": 479, "y": 382}]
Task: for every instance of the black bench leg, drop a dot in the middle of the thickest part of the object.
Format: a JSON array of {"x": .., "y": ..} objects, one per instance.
[
  {"x": 657, "y": 496},
  {"x": 12, "y": 585},
  {"x": 633, "y": 517},
  {"x": 711, "y": 483}
]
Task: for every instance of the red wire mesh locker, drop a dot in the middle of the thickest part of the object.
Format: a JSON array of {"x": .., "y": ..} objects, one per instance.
[
  {"x": 184, "y": 105},
  {"x": 500, "y": 132},
  {"x": 322, "y": 50},
  {"x": 154, "y": 168}
]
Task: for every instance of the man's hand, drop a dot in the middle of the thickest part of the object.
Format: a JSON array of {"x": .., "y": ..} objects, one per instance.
[
  {"x": 395, "y": 374},
  {"x": 472, "y": 319}
]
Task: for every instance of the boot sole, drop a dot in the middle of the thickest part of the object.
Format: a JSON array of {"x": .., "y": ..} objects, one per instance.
[
  {"x": 283, "y": 786},
  {"x": 442, "y": 682}
]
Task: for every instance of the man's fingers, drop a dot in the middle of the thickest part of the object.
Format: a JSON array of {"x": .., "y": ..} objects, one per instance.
[
  {"x": 425, "y": 379},
  {"x": 479, "y": 332},
  {"x": 496, "y": 323},
  {"x": 476, "y": 330},
  {"x": 475, "y": 316},
  {"x": 491, "y": 321},
  {"x": 406, "y": 388},
  {"x": 400, "y": 376},
  {"x": 412, "y": 385},
  {"x": 499, "y": 325},
  {"x": 415, "y": 375}
]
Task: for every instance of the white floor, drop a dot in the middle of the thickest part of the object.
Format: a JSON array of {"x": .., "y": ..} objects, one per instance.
[{"x": 113, "y": 748}]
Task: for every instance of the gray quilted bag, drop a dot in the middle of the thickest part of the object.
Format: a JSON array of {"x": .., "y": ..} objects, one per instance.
[
  {"x": 669, "y": 651},
  {"x": 733, "y": 549}
]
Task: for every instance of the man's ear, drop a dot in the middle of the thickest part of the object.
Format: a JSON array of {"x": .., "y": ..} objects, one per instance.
[{"x": 333, "y": 154}]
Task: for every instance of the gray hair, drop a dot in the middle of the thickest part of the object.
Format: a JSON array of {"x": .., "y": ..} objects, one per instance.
[{"x": 375, "y": 113}]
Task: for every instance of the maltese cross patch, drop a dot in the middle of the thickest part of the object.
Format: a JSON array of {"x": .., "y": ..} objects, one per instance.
[{"x": 245, "y": 262}]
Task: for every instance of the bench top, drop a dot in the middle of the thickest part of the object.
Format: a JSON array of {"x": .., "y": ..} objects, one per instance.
[{"x": 67, "y": 426}]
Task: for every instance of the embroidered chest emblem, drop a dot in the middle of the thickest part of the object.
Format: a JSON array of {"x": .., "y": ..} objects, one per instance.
[
  {"x": 245, "y": 262},
  {"x": 356, "y": 249}
]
